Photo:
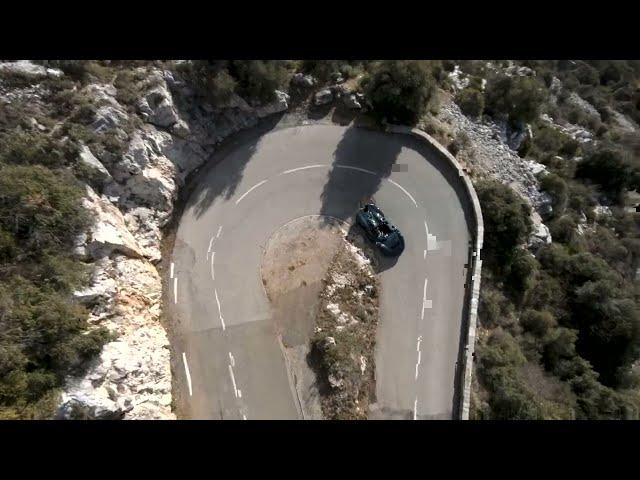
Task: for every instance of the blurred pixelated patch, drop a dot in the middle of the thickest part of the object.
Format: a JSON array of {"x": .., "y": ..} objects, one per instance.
[{"x": 399, "y": 167}]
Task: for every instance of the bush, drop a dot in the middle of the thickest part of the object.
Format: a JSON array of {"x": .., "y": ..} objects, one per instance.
[
  {"x": 506, "y": 220},
  {"x": 471, "y": 102},
  {"x": 400, "y": 90},
  {"x": 555, "y": 186},
  {"x": 608, "y": 169},
  {"x": 521, "y": 273},
  {"x": 519, "y": 98},
  {"x": 539, "y": 323},
  {"x": 258, "y": 79}
]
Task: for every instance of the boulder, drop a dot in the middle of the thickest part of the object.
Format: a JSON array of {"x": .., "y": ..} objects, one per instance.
[
  {"x": 351, "y": 102},
  {"x": 109, "y": 232},
  {"x": 89, "y": 160},
  {"x": 323, "y": 97},
  {"x": 302, "y": 80},
  {"x": 540, "y": 234},
  {"x": 280, "y": 104},
  {"x": 28, "y": 68},
  {"x": 157, "y": 108}
]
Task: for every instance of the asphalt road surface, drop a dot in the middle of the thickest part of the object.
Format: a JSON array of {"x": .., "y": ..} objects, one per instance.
[{"x": 231, "y": 365}]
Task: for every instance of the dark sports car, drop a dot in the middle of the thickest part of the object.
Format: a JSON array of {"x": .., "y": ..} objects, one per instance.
[{"x": 386, "y": 236}]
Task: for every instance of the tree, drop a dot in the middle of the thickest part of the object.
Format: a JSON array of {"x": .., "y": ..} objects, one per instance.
[
  {"x": 519, "y": 98},
  {"x": 471, "y": 102},
  {"x": 506, "y": 219},
  {"x": 259, "y": 79},
  {"x": 400, "y": 90},
  {"x": 608, "y": 169}
]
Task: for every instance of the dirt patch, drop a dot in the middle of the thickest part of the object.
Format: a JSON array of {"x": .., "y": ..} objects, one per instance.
[{"x": 294, "y": 263}]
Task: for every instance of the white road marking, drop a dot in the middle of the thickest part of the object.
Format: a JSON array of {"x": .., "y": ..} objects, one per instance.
[
  {"x": 250, "y": 190},
  {"x": 175, "y": 289},
  {"x": 415, "y": 409},
  {"x": 186, "y": 369},
  {"x": 426, "y": 229},
  {"x": 303, "y": 168},
  {"x": 171, "y": 274},
  {"x": 406, "y": 193},
  {"x": 424, "y": 254},
  {"x": 417, "y": 366},
  {"x": 424, "y": 297},
  {"x": 213, "y": 274},
  {"x": 210, "y": 245},
  {"x": 233, "y": 380},
  {"x": 419, "y": 342},
  {"x": 244, "y": 417},
  {"x": 219, "y": 310},
  {"x": 419, "y": 356},
  {"x": 239, "y": 393},
  {"x": 357, "y": 169},
  {"x": 232, "y": 360},
  {"x": 219, "y": 231}
]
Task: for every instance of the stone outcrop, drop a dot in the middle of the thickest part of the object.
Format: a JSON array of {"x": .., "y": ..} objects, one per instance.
[{"x": 131, "y": 379}]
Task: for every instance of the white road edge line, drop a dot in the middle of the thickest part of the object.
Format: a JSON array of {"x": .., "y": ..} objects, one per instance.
[
  {"x": 219, "y": 310},
  {"x": 232, "y": 360},
  {"x": 417, "y": 367},
  {"x": 210, "y": 245},
  {"x": 233, "y": 380},
  {"x": 186, "y": 369},
  {"x": 303, "y": 168},
  {"x": 219, "y": 231},
  {"x": 213, "y": 274},
  {"x": 250, "y": 190},
  {"x": 175, "y": 289},
  {"x": 426, "y": 229},
  {"x": 239, "y": 393},
  {"x": 419, "y": 356},
  {"x": 172, "y": 268},
  {"x": 406, "y": 193},
  {"x": 415, "y": 409},
  {"x": 424, "y": 255},
  {"x": 244, "y": 417}
]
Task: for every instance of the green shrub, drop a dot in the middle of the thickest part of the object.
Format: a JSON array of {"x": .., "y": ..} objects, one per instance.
[
  {"x": 608, "y": 169},
  {"x": 506, "y": 220},
  {"x": 558, "y": 189},
  {"x": 400, "y": 90},
  {"x": 471, "y": 102},
  {"x": 258, "y": 79},
  {"x": 519, "y": 98},
  {"x": 539, "y": 323},
  {"x": 521, "y": 273}
]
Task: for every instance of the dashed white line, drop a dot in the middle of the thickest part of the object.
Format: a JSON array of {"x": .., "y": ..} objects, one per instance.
[
  {"x": 303, "y": 168},
  {"x": 233, "y": 380},
  {"x": 186, "y": 369},
  {"x": 424, "y": 254},
  {"x": 406, "y": 193},
  {"x": 239, "y": 393},
  {"x": 219, "y": 310},
  {"x": 175, "y": 289},
  {"x": 219, "y": 231},
  {"x": 232, "y": 360},
  {"x": 250, "y": 190},
  {"x": 419, "y": 356},
  {"x": 172, "y": 268},
  {"x": 424, "y": 298},
  {"x": 213, "y": 274}
]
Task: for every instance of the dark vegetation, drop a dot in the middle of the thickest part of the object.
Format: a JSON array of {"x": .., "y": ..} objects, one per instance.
[
  {"x": 44, "y": 334},
  {"x": 561, "y": 329},
  {"x": 254, "y": 80}
]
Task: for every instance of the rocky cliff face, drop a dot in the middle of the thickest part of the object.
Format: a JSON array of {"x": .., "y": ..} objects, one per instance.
[{"x": 131, "y": 379}]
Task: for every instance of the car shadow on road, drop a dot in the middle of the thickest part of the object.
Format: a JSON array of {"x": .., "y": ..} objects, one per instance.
[{"x": 359, "y": 166}]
